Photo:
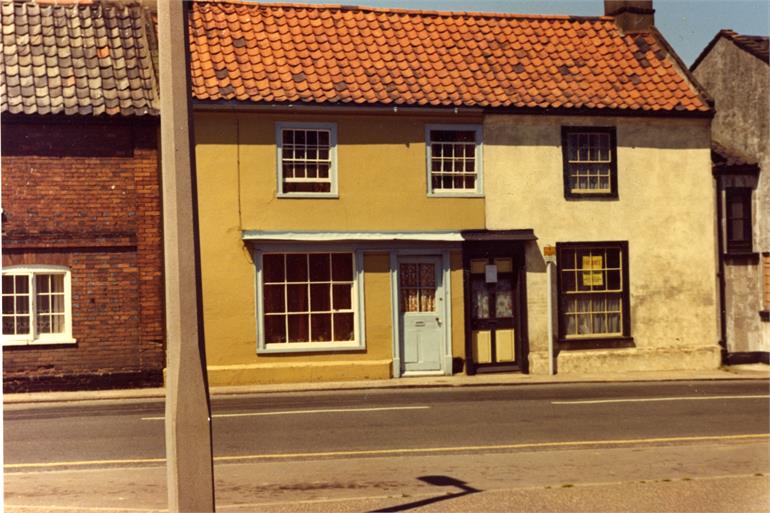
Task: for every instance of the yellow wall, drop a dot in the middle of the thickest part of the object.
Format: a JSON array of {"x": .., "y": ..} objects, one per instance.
[
  {"x": 381, "y": 173},
  {"x": 382, "y": 187},
  {"x": 665, "y": 211}
]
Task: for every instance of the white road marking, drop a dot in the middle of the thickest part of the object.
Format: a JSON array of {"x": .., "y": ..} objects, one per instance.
[
  {"x": 300, "y": 412},
  {"x": 415, "y": 450},
  {"x": 662, "y": 399}
]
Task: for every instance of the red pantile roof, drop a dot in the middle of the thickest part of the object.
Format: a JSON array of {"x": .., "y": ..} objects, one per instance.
[
  {"x": 275, "y": 53},
  {"x": 76, "y": 59}
]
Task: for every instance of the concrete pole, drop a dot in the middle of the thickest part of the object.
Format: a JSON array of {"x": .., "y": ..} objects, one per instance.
[{"x": 189, "y": 465}]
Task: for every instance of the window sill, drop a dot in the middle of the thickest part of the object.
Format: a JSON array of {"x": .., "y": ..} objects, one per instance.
[
  {"x": 747, "y": 257},
  {"x": 590, "y": 197},
  {"x": 40, "y": 342},
  {"x": 455, "y": 195},
  {"x": 310, "y": 347},
  {"x": 308, "y": 195},
  {"x": 596, "y": 343}
]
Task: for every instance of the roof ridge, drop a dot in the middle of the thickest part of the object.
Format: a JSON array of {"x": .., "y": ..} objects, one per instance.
[{"x": 398, "y": 10}]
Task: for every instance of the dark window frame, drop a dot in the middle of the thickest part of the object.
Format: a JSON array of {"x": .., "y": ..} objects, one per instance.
[
  {"x": 599, "y": 342},
  {"x": 742, "y": 194},
  {"x": 612, "y": 132}
]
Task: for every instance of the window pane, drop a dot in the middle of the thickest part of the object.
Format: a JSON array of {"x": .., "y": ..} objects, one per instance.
[
  {"x": 737, "y": 230},
  {"x": 321, "y": 327},
  {"x": 57, "y": 283},
  {"x": 275, "y": 329},
  {"x": 296, "y": 296},
  {"x": 343, "y": 326},
  {"x": 408, "y": 273},
  {"x": 272, "y": 268},
  {"x": 298, "y": 328},
  {"x": 43, "y": 303},
  {"x": 42, "y": 282},
  {"x": 44, "y": 323},
  {"x": 613, "y": 280},
  {"x": 320, "y": 298},
  {"x": 57, "y": 324},
  {"x": 22, "y": 284},
  {"x": 427, "y": 275},
  {"x": 8, "y": 325},
  {"x": 296, "y": 267},
  {"x": 342, "y": 297},
  {"x": 22, "y": 325},
  {"x": 427, "y": 300},
  {"x": 319, "y": 267},
  {"x": 342, "y": 267},
  {"x": 274, "y": 298},
  {"x": 8, "y": 304},
  {"x": 22, "y": 304},
  {"x": 7, "y": 284},
  {"x": 736, "y": 207}
]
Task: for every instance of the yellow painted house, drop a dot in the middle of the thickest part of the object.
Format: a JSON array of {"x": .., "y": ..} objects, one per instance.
[{"x": 373, "y": 188}]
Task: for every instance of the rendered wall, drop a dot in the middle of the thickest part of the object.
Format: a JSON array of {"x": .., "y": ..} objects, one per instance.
[
  {"x": 665, "y": 211},
  {"x": 742, "y": 123},
  {"x": 382, "y": 187}
]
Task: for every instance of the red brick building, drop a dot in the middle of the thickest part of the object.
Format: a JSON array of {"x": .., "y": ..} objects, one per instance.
[{"x": 82, "y": 285}]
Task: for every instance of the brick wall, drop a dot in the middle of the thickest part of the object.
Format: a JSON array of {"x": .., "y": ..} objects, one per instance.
[{"x": 86, "y": 194}]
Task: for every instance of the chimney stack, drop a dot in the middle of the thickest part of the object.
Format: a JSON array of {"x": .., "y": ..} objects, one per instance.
[{"x": 631, "y": 15}]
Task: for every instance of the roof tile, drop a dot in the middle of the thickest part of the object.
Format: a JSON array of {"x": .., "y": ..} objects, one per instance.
[
  {"x": 67, "y": 58},
  {"x": 368, "y": 55}
]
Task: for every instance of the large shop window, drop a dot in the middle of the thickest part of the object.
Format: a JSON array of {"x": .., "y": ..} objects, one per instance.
[
  {"x": 454, "y": 160},
  {"x": 309, "y": 301},
  {"x": 307, "y": 155},
  {"x": 590, "y": 162},
  {"x": 36, "y": 306},
  {"x": 593, "y": 291}
]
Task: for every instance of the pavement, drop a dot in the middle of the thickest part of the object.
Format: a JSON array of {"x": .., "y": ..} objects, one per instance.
[{"x": 756, "y": 371}]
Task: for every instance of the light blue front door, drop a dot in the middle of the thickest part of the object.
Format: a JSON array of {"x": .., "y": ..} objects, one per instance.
[{"x": 421, "y": 296}]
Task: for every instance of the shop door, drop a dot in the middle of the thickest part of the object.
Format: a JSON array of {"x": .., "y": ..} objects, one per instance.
[
  {"x": 422, "y": 314},
  {"x": 492, "y": 306}
]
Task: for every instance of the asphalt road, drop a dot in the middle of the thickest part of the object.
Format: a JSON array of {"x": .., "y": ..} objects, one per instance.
[
  {"x": 689, "y": 447},
  {"x": 401, "y": 421}
]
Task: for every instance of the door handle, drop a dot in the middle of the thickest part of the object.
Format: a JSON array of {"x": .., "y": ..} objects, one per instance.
[{"x": 438, "y": 321}]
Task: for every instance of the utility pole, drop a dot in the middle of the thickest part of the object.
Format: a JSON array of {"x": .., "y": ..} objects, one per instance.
[{"x": 189, "y": 467}]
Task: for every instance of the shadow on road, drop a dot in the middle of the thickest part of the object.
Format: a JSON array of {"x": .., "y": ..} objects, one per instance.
[{"x": 435, "y": 481}]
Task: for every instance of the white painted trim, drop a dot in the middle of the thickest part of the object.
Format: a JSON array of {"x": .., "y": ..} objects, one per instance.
[
  {"x": 479, "y": 191},
  {"x": 332, "y": 127},
  {"x": 43, "y": 339},
  {"x": 395, "y": 322},
  {"x": 447, "y": 274},
  {"x": 358, "y": 344},
  {"x": 309, "y": 236}
]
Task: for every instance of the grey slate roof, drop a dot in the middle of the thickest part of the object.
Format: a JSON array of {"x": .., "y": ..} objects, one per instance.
[{"x": 86, "y": 59}]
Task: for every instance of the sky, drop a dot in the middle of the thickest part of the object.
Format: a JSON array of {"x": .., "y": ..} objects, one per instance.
[{"x": 688, "y": 25}]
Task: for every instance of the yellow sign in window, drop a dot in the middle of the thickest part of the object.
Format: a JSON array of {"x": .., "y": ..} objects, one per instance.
[{"x": 595, "y": 276}]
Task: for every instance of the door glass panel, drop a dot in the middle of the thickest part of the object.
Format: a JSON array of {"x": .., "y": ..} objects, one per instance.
[
  {"x": 504, "y": 299},
  {"x": 418, "y": 287},
  {"x": 479, "y": 299}
]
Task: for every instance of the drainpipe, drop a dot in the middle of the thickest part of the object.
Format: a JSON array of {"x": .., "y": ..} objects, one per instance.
[{"x": 549, "y": 253}]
